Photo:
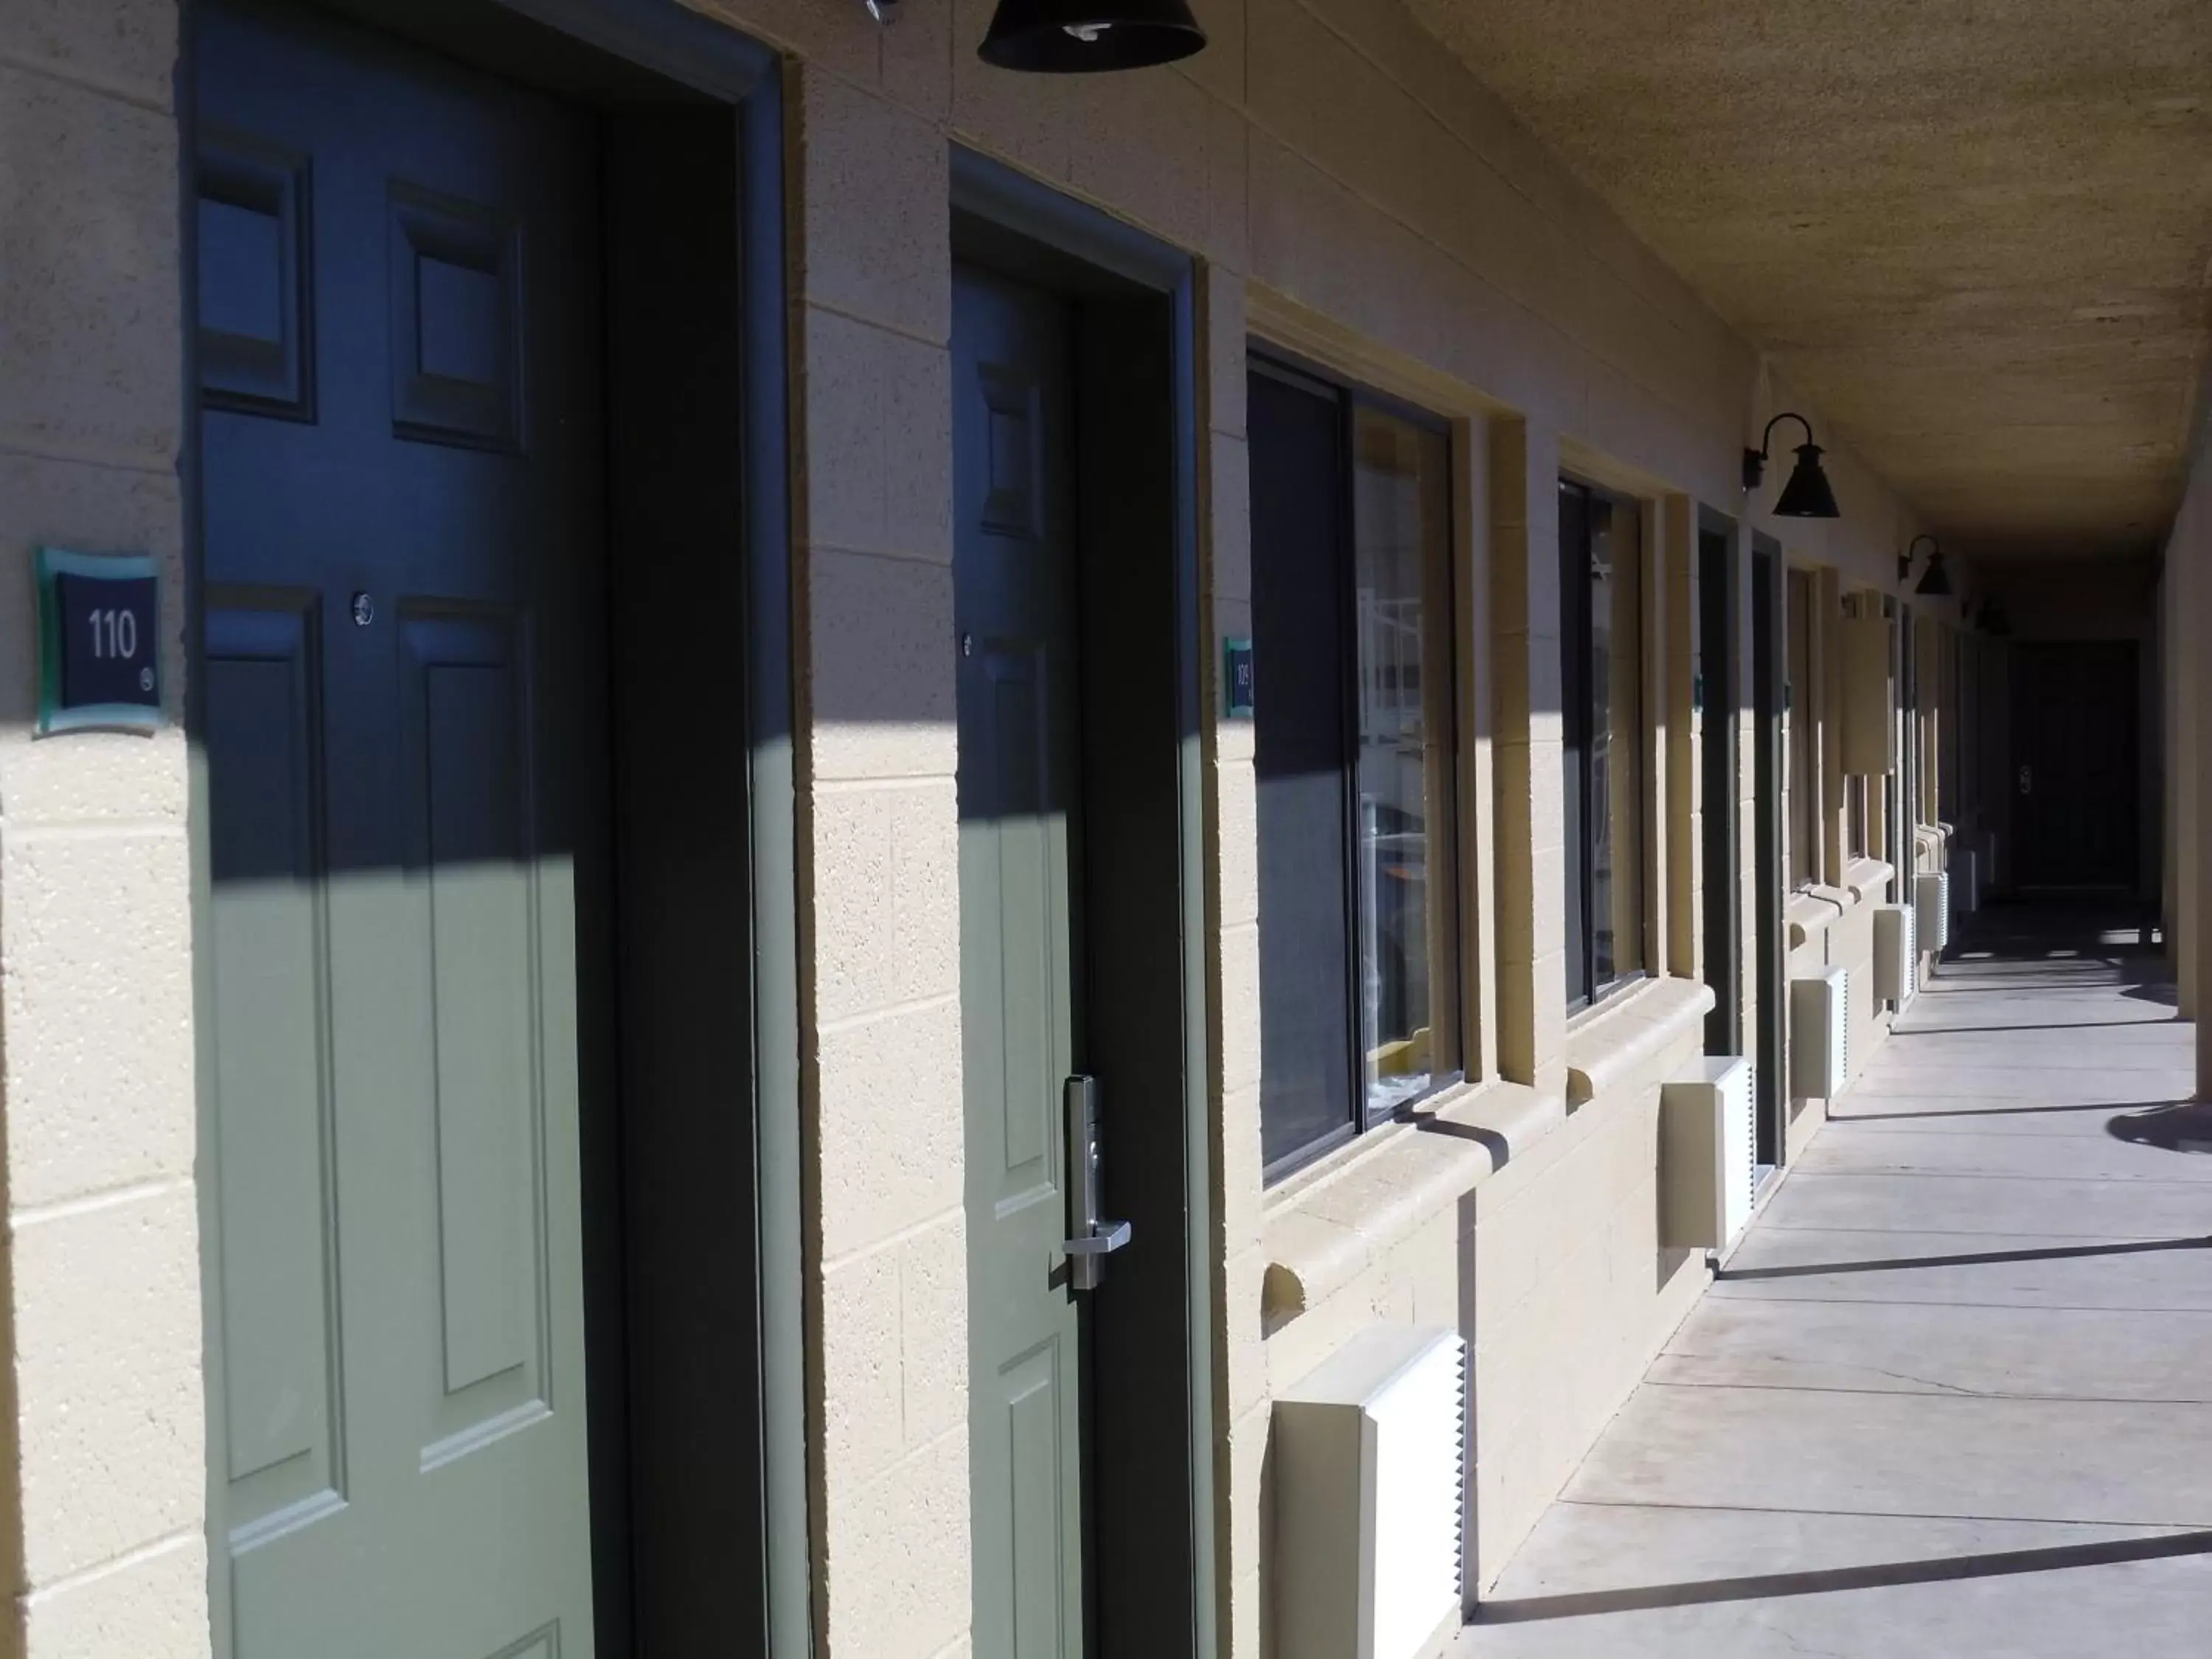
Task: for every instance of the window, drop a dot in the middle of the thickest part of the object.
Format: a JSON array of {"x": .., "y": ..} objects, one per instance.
[
  {"x": 1602, "y": 665},
  {"x": 1354, "y": 749},
  {"x": 1906, "y": 795},
  {"x": 1895, "y": 834},
  {"x": 1797, "y": 702}
]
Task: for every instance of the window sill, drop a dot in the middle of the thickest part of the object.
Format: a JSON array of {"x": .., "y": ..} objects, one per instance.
[
  {"x": 1326, "y": 1224},
  {"x": 1812, "y": 910},
  {"x": 1867, "y": 878},
  {"x": 1620, "y": 1037}
]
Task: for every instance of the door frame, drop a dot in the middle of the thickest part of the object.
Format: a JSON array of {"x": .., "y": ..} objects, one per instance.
[
  {"x": 1148, "y": 1410},
  {"x": 1770, "y": 671},
  {"x": 686, "y": 46},
  {"x": 1722, "y": 688}
]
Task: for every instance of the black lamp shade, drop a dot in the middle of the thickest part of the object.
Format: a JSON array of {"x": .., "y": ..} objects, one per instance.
[
  {"x": 1935, "y": 581},
  {"x": 1082, "y": 37},
  {"x": 1807, "y": 495}
]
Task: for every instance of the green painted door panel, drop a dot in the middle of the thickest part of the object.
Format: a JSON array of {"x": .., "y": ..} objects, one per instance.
[
  {"x": 399, "y": 327},
  {"x": 1020, "y": 920}
]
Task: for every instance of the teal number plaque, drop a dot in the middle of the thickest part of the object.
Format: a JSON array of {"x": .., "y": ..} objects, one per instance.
[{"x": 100, "y": 641}]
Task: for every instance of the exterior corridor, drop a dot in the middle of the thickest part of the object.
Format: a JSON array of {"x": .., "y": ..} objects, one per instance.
[{"x": 1952, "y": 1394}]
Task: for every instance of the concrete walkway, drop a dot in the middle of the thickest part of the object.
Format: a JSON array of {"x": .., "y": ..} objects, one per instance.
[{"x": 1952, "y": 1399}]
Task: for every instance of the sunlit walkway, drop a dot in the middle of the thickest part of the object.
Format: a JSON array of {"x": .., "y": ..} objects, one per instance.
[{"x": 1954, "y": 1394}]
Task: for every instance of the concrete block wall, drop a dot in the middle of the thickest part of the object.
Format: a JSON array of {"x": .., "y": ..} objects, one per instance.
[
  {"x": 101, "y": 1532},
  {"x": 873, "y": 522},
  {"x": 1328, "y": 161},
  {"x": 1352, "y": 192},
  {"x": 1572, "y": 1295},
  {"x": 2185, "y": 595}
]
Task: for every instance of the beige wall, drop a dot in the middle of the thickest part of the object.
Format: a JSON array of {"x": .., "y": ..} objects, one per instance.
[
  {"x": 101, "y": 1517},
  {"x": 1371, "y": 205},
  {"x": 1346, "y": 186},
  {"x": 2186, "y": 594}
]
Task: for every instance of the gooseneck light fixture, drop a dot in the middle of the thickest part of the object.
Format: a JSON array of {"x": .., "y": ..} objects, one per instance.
[
  {"x": 1081, "y": 37},
  {"x": 1934, "y": 582},
  {"x": 1807, "y": 495}
]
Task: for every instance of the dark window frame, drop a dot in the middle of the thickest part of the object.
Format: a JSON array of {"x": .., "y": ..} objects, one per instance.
[
  {"x": 1349, "y": 398},
  {"x": 1800, "y": 604},
  {"x": 1577, "y": 679}
]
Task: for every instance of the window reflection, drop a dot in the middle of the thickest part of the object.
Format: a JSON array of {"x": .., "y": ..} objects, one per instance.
[{"x": 1401, "y": 565}]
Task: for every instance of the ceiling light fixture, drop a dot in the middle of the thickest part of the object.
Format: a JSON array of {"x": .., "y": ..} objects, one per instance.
[
  {"x": 1807, "y": 495},
  {"x": 1905, "y": 559},
  {"x": 1934, "y": 582},
  {"x": 1082, "y": 37}
]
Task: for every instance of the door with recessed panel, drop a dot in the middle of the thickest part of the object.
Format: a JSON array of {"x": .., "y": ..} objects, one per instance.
[
  {"x": 1020, "y": 919},
  {"x": 402, "y": 715}
]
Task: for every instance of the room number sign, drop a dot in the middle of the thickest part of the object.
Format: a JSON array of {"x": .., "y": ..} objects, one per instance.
[{"x": 99, "y": 641}]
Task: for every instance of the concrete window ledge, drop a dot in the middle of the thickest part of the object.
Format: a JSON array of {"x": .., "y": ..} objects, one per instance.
[
  {"x": 1868, "y": 878},
  {"x": 1321, "y": 1235},
  {"x": 1812, "y": 909},
  {"x": 1613, "y": 1043}
]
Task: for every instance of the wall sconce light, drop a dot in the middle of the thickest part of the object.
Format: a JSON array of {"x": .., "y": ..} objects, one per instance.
[
  {"x": 1905, "y": 559},
  {"x": 1807, "y": 495},
  {"x": 1081, "y": 37},
  {"x": 1934, "y": 582}
]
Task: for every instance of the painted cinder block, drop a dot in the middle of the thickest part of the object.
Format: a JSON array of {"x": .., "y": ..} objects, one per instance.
[
  {"x": 895, "y": 1557},
  {"x": 887, "y": 907},
  {"x": 1237, "y": 813},
  {"x": 1243, "y": 1351},
  {"x": 885, "y": 698},
  {"x": 152, "y": 1606},
  {"x": 99, "y": 1065},
  {"x": 892, "y": 1135},
  {"x": 127, "y": 48},
  {"x": 1226, "y": 319},
  {"x": 874, "y": 188},
  {"x": 932, "y": 1269},
  {"x": 1162, "y": 185},
  {"x": 1240, "y": 1005},
  {"x": 1239, "y": 1205},
  {"x": 1231, "y": 485},
  {"x": 879, "y": 441},
  {"x": 90, "y": 306},
  {"x": 1500, "y": 294},
  {"x": 111, "y": 1422},
  {"x": 864, "y": 1412}
]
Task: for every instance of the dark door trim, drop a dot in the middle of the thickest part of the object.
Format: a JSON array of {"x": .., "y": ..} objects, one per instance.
[
  {"x": 686, "y": 46},
  {"x": 1769, "y": 651},
  {"x": 1723, "y": 688},
  {"x": 1150, "y": 1414}
]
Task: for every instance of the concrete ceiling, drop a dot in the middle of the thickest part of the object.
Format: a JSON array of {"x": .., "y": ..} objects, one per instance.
[{"x": 1978, "y": 232}]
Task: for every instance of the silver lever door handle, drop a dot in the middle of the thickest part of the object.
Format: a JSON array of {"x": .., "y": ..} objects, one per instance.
[
  {"x": 1091, "y": 1238},
  {"x": 1111, "y": 1237}
]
